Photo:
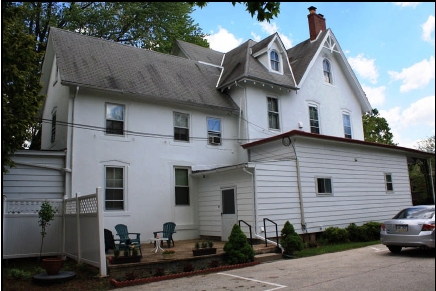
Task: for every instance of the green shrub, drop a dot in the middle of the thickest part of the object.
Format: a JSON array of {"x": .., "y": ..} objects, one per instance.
[
  {"x": 371, "y": 231},
  {"x": 237, "y": 249},
  {"x": 19, "y": 274},
  {"x": 335, "y": 235},
  {"x": 355, "y": 233},
  {"x": 290, "y": 240}
]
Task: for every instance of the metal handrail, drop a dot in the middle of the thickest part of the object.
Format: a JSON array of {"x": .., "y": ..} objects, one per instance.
[
  {"x": 249, "y": 226},
  {"x": 277, "y": 232}
]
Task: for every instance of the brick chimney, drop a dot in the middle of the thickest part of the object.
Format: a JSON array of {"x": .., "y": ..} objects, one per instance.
[{"x": 316, "y": 22}]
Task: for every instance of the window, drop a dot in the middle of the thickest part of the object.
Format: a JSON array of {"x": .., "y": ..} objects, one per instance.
[
  {"x": 324, "y": 186},
  {"x": 273, "y": 113},
  {"x": 115, "y": 119},
  {"x": 389, "y": 183},
  {"x": 53, "y": 126},
  {"x": 114, "y": 195},
  {"x": 327, "y": 71},
  {"x": 214, "y": 131},
  {"x": 181, "y": 126},
  {"x": 314, "y": 121},
  {"x": 182, "y": 187},
  {"x": 347, "y": 125},
  {"x": 274, "y": 56}
]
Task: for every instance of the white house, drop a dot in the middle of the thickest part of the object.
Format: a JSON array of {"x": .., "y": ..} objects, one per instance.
[{"x": 205, "y": 139}]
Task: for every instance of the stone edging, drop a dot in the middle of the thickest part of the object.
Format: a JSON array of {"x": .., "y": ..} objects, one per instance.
[{"x": 126, "y": 283}]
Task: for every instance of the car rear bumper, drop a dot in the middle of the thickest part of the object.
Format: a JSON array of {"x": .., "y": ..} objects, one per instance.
[{"x": 408, "y": 241}]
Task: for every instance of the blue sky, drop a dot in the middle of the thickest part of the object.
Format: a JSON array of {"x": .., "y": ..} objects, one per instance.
[{"x": 389, "y": 45}]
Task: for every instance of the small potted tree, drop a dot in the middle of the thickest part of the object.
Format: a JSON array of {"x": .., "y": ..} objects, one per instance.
[
  {"x": 205, "y": 248},
  {"x": 46, "y": 214}
]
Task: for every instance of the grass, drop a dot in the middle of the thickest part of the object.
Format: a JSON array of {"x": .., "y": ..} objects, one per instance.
[{"x": 17, "y": 274}]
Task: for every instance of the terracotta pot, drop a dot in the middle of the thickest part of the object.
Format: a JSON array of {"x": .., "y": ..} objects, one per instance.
[{"x": 52, "y": 265}]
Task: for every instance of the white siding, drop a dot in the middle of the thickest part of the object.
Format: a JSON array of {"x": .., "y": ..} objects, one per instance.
[
  {"x": 209, "y": 200},
  {"x": 358, "y": 184}
]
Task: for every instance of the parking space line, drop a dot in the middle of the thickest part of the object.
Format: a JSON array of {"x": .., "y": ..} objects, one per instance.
[
  {"x": 378, "y": 250},
  {"x": 249, "y": 279}
]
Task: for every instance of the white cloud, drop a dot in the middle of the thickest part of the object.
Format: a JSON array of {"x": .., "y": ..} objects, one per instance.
[
  {"x": 271, "y": 28},
  {"x": 416, "y": 76},
  {"x": 375, "y": 95},
  {"x": 255, "y": 37},
  {"x": 419, "y": 116},
  {"x": 223, "y": 41},
  {"x": 407, "y": 4},
  {"x": 364, "y": 67},
  {"x": 428, "y": 29}
]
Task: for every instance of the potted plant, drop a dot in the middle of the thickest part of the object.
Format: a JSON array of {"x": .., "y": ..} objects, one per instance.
[
  {"x": 130, "y": 255},
  {"x": 168, "y": 254},
  {"x": 206, "y": 248},
  {"x": 46, "y": 214}
]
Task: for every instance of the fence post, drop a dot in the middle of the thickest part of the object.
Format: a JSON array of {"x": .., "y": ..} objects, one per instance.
[
  {"x": 100, "y": 217},
  {"x": 79, "y": 249}
]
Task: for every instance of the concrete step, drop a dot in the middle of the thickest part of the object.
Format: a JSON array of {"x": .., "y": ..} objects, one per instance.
[
  {"x": 268, "y": 257},
  {"x": 262, "y": 249}
]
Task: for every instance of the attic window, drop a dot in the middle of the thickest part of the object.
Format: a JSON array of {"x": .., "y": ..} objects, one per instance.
[
  {"x": 115, "y": 119},
  {"x": 327, "y": 71},
  {"x": 275, "y": 61}
]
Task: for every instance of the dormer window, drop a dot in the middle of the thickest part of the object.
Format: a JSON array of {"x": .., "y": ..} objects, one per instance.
[
  {"x": 275, "y": 61},
  {"x": 327, "y": 71}
]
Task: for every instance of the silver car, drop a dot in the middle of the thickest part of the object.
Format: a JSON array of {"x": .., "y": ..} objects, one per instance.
[{"x": 411, "y": 227}]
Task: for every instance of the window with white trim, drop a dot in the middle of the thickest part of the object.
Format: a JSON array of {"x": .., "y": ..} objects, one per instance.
[
  {"x": 181, "y": 186},
  {"x": 114, "y": 188},
  {"x": 324, "y": 186},
  {"x": 213, "y": 131},
  {"x": 347, "y": 125},
  {"x": 275, "y": 61},
  {"x": 389, "y": 183},
  {"x": 327, "y": 71},
  {"x": 313, "y": 119},
  {"x": 114, "y": 119},
  {"x": 53, "y": 126},
  {"x": 273, "y": 113},
  {"x": 181, "y": 126}
]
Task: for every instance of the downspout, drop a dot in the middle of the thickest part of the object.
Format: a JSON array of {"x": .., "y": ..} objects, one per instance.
[
  {"x": 254, "y": 198},
  {"x": 240, "y": 110},
  {"x": 300, "y": 193}
]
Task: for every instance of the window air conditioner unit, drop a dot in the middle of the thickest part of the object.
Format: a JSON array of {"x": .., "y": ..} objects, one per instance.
[{"x": 216, "y": 140}]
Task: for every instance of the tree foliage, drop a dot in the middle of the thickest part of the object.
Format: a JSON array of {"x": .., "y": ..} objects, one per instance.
[
  {"x": 237, "y": 249},
  {"x": 420, "y": 175},
  {"x": 376, "y": 128},
  {"x": 265, "y": 11},
  {"x": 21, "y": 86}
]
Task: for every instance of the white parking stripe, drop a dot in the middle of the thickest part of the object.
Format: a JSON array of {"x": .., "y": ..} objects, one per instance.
[
  {"x": 379, "y": 250},
  {"x": 249, "y": 279}
]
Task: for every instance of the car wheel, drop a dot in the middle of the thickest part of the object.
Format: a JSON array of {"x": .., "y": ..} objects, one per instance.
[{"x": 395, "y": 249}]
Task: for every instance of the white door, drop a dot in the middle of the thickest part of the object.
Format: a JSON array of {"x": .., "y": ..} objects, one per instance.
[{"x": 229, "y": 216}]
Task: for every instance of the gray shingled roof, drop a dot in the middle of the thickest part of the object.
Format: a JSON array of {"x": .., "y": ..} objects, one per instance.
[
  {"x": 302, "y": 54},
  {"x": 96, "y": 63},
  {"x": 240, "y": 64},
  {"x": 199, "y": 53}
]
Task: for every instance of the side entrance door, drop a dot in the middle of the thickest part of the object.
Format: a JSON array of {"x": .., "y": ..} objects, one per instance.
[{"x": 228, "y": 212}]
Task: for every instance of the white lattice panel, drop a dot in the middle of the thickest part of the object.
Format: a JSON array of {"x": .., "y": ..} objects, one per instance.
[
  {"x": 29, "y": 206},
  {"x": 88, "y": 205},
  {"x": 70, "y": 207}
]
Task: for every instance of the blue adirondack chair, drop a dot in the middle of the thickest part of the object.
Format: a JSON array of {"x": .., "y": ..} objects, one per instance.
[
  {"x": 167, "y": 232},
  {"x": 127, "y": 238}
]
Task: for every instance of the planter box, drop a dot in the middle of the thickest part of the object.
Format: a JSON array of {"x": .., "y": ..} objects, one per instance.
[
  {"x": 203, "y": 252},
  {"x": 125, "y": 260}
]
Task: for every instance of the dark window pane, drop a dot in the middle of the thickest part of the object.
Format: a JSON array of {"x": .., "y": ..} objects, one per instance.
[
  {"x": 181, "y": 134},
  {"x": 114, "y": 127},
  {"x": 114, "y": 205},
  {"x": 228, "y": 201},
  {"x": 182, "y": 195}
]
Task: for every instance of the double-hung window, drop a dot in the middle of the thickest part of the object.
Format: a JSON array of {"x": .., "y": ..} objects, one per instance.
[
  {"x": 389, "y": 183},
  {"x": 182, "y": 186},
  {"x": 324, "y": 186},
  {"x": 114, "y": 191},
  {"x": 313, "y": 118},
  {"x": 327, "y": 71},
  {"x": 347, "y": 125},
  {"x": 275, "y": 61},
  {"x": 181, "y": 126},
  {"x": 115, "y": 119},
  {"x": 214, "y": 131},
  {"x": 273, "y": 113}
]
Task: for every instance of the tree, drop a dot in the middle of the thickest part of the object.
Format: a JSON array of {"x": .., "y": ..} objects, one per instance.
[
  {"x": 420, "y": 175},
  {"x": 21, "y": 87},
  {"x": 237, "y": 249},
  {"x": 264, "y": 10},
  {"x": 376, "y": 128},
  {"x": 290, "y": 240}
]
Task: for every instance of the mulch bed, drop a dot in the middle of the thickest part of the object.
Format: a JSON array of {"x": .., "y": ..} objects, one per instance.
[{"x": 178, "y": 275}]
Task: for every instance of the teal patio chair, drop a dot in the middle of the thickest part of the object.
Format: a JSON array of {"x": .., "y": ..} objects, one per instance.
[
  {"x": 167, "y": 232},
  {"x": 127, "y": 238}
]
